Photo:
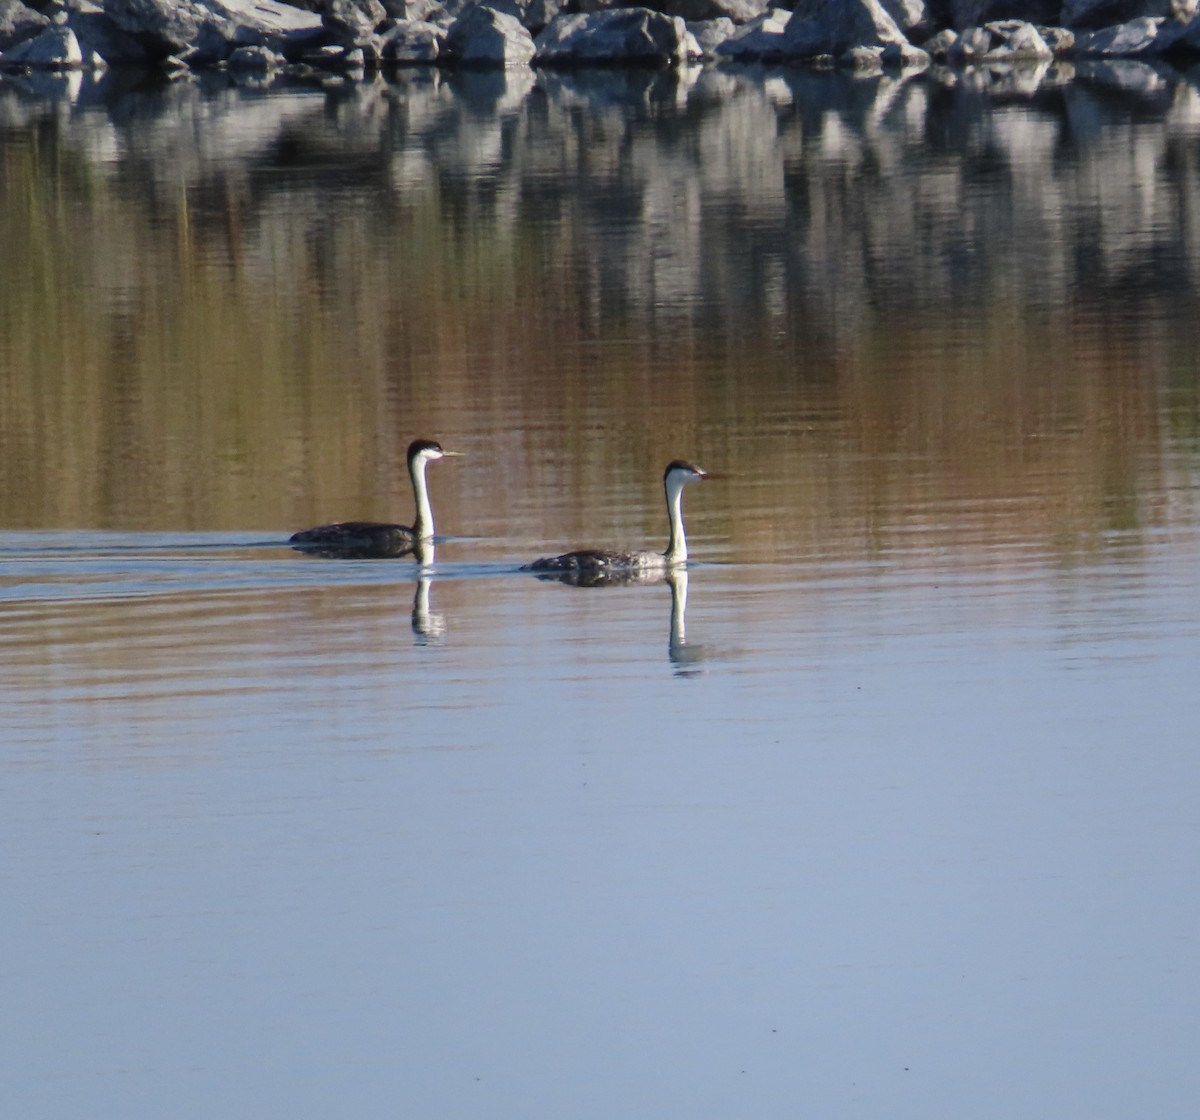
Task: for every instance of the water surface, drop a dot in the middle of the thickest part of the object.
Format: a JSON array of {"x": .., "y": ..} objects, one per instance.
[{"x": 888, "y": 811}]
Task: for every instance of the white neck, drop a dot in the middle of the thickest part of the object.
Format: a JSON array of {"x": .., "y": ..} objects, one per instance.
[
  {"x": 677, "y": 547},
  {"x": 423, "y": 526}
]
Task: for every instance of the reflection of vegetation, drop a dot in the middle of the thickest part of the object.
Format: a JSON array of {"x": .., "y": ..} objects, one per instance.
[{"x": 247, "y": 336}]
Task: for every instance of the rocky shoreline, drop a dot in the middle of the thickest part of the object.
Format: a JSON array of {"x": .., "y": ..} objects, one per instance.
[{"x": 266, "y": 37}]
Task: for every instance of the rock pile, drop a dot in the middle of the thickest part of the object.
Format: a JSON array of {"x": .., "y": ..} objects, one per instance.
[{"x": 263, "y": 37}]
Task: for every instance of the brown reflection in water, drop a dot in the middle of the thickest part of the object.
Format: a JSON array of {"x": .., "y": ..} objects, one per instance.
[
  {"x": 255, "y": 350},
  {"x": 168, "y": 656}
]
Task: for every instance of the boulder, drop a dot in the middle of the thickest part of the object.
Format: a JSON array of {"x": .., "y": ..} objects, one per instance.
[
  {"x": 623, "y": 36},
  {"x": 1145, "y": 36},
  {"x": 538, "y": 13},
  {"x": 740, "y": 11},
  {"x": 255, "y": 60},
  {"x": 267, "y": 23},
  {"x": 486, "y": 37},
  {"x": 335, "y": 57},
  {"x": 99, "y": 36},
  {"x": 762, "y": 39},
  {"x": 833, "y": 27},
  {"x": 54, "y": 48},
  {"x": 940, "y": 45},
  {"x": 413, "y": 42},
  {"x": 213, "y": 29},
  {"x": 1058, "y": 39},
  {"x": 1095, "y": 14},
  {"x": 1002, "y": 41},
  {"x": 411, "y": 11},
  {"x": 972, "y": 45},
  {"x": 1016, "y": 41},
  {"x": 18, "y": 23},
  {"x": 911, "y": 16},
  {"x": 352, "y": 23},
  {"x": 162, "y": 27},
  {"x": 711, "y": 33}
]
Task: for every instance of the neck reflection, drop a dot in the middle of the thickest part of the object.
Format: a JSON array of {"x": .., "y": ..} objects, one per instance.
[
  {"x": 429, "y": 626},
  {"x": 684, "y": 657}
]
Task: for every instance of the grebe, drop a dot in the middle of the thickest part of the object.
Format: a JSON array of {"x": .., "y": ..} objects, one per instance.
[
  {"x": 592, "y": 566},
  {"x": 375, "y": 540}
]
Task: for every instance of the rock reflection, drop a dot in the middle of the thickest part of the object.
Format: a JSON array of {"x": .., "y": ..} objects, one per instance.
[{"x": 212, "y": 297}]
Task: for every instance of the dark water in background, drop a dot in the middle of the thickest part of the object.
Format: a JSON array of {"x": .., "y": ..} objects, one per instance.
[{"x": 897, "y": 818}]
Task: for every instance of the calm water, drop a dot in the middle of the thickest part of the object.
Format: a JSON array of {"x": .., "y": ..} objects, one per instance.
[{"x": 886, "y": 809}]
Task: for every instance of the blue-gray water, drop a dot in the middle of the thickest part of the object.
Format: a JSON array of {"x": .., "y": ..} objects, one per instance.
[{"x": 887, "y": 811}]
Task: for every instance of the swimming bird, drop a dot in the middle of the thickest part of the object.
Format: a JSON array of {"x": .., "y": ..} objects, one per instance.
[
  {"x": 375, "y": 540},
  {"x": 594, "y": 565}
]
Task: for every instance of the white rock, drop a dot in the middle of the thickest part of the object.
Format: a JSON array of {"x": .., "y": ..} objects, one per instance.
[
  {"x": 629, "y": 35},
  {"x": 56, "y": 48},
  {"x": 486, "y": 37}
]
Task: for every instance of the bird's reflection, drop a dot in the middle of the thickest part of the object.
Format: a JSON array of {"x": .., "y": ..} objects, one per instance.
[
  {"x": 685, "y": 658},
  {"x": 428, "y": 625}
]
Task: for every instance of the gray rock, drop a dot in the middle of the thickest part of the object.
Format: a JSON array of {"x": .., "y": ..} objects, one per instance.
[
  {"x": 414, "y": 42},
  {"x": 486, "y": 37},
  {"x": 1095, "y": 14},
  {"x": 833, "y": 27},
  {"x": 99, "y": 36},
  {"x": 740, "y": 11},
  {"x": 211, "y": 29},
  {"x": 1001, "y": 41},
  {"x": 336, "y": 57},
  {"x": 255, "y": 60},
  {"x": 352, "y": 22},
  {"x": 711, "y": 33},
  {"x": 267, "y": 23},
  {"x": 54, "y": 48},
  {"x": 1015, "y": 40},
  {"x": 538, "y": 13},
  {"x": 762, "y": 39},
  {"x": 163, "y": 27},
  {"x": 911, "y": 16},
  {"x": 18, "y": 23},
  {"x": 863, "y": 59},
  {"x": 1058, "y": 39},
  {"x": 1145, "y": 36},
  {"x": 411, "y": 11},
  {"x": 972, "y": 45},
  {"x": 939, "y": 46},
  {"x": 633, "y": 36}
]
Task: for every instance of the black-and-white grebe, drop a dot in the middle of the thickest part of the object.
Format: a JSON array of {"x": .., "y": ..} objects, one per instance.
[
  {"x": 374, "y": 540},
  {"x": 599, "y": 562}
]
